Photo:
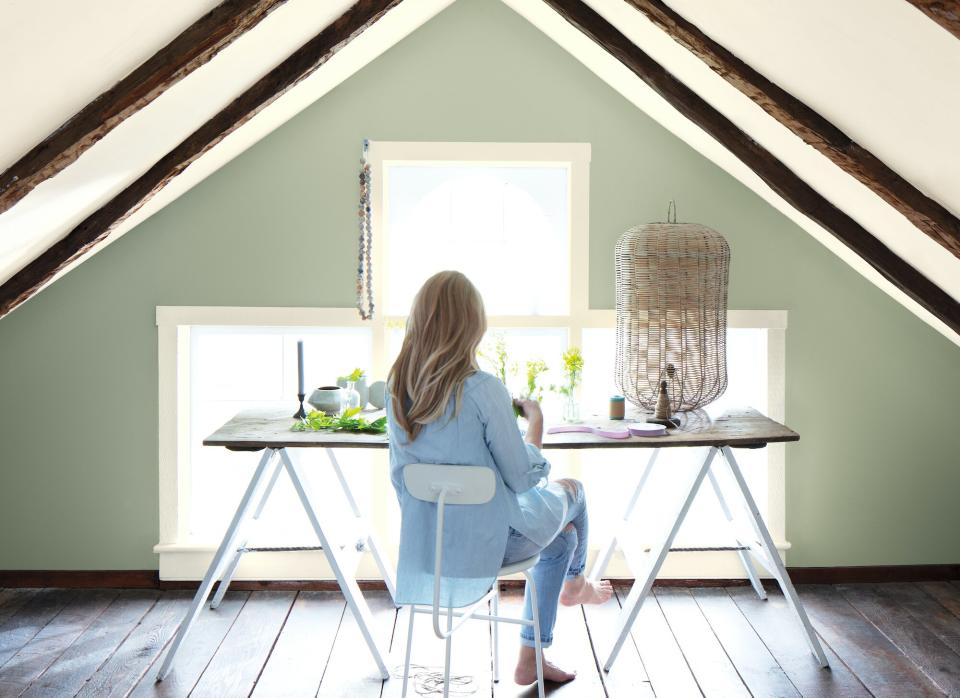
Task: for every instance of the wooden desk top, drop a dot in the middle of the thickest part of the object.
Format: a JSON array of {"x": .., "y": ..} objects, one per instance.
[{"x": 253, "y": 430}]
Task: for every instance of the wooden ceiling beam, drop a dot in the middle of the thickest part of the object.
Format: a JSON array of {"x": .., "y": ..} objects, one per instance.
[
  {"x": 946, "y": 13},
  {"x": 927, "y": 215},
  {"x": 196, "y": 45},
  {"x": 96, "y": 227},
  {"x": 772, "y": 171}
]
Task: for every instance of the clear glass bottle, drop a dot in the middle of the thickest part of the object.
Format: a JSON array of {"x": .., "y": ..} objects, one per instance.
[
  {"x": 571, "y": 409},
  {"x": 349, "y": 397}
]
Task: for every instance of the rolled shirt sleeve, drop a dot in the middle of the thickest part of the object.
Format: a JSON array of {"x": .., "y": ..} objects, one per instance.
[{"x": 521, "y": 465}]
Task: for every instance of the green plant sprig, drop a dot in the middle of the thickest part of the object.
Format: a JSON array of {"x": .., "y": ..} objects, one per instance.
[
  {"x": 534, "y": 369},
  {"x": 355, "y": 376},
  {"x": 494, "y": 352},
  {"x": 348, "y": 421},
  {"x": 572, "y": 370}
]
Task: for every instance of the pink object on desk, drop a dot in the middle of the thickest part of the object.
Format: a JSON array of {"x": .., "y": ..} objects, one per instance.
[
  {"x": 564, "y": 428},
  {"x": 608, "y": 432},
  {"x": 647, "y": 429}
]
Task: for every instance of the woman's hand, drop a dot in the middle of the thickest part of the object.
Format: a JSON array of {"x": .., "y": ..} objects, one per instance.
[
  {"x": 531, "y": 412},
  {"x": 529, "y": 409}
]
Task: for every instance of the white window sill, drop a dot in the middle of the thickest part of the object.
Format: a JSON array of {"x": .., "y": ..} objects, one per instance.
[{"x": 189, "y": 562}]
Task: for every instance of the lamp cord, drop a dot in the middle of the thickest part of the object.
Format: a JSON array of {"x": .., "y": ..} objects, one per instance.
[{"x": 428, "y": 681}]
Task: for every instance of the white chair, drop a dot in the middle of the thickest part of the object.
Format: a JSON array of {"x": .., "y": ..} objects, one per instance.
[{"x": 464, "y": 484}]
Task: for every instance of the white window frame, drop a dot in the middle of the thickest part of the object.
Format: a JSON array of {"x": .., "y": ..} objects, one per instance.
[{"x": 181, "y": 558}]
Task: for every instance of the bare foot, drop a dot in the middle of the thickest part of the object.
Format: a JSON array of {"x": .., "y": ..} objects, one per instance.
[
  {"x": 582, "y": 590},
  {"x": 526, "y": 672}
]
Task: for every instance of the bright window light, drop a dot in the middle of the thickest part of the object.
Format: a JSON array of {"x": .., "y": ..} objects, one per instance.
[
  {"x": 239, "y": 368},
  {"x": 507, "y": 228},
  {"x": 508, "y": 224},
  {"x": 606, "y": 471}
]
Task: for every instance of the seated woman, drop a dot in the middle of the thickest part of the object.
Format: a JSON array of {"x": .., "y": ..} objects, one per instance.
[{"x": 442, "y": 409}]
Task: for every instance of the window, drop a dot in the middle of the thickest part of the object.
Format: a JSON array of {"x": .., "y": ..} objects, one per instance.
[
  {"x": 513, "y": 218},
  {"x": 237, "y": 368},
  {"x": 501, "y": 226}
]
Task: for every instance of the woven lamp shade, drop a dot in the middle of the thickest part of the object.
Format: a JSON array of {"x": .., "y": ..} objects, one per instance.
[{"x": 672, "y": 314}]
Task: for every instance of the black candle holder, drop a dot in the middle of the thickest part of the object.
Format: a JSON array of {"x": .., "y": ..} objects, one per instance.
[{"x": 300, "y": 414}]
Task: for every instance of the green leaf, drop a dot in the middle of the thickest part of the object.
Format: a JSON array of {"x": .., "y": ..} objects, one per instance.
[{"x": 355, "y": 376}]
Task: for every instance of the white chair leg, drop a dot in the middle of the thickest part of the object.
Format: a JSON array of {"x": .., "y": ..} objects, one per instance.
[
  {"x": 496, "y": 634},
  {"x": 406, "y": 661},
  {"x": 446, "y": 657},
  {"x": 536, "y": 631}
]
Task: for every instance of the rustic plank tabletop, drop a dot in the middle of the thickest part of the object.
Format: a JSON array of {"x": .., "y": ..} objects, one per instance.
[{"x": 253, "y": 430}]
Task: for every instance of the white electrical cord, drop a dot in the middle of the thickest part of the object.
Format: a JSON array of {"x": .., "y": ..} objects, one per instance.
[{"x": 428, "y": 681}]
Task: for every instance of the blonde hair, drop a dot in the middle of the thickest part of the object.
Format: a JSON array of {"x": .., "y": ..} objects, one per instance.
[{"x": 446, "y": 323}]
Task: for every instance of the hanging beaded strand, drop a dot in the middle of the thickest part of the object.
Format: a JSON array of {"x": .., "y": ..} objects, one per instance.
[{"x": 365, "y": 247}]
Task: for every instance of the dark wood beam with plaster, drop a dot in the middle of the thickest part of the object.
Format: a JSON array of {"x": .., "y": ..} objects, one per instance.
[
  {"x": 780, "y": 178},
  {"x": 96, "y": 227},
  {"x": 927, "y": 215},
  {"x": 946, "y": 13},
  {"x": 195, "y": 46}
]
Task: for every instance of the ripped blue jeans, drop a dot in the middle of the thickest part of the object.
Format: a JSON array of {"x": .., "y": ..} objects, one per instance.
[{"x": 564, "y": 558}]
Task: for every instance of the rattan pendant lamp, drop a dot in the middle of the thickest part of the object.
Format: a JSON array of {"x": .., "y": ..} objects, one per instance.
[{"x": 671, "y": 315}]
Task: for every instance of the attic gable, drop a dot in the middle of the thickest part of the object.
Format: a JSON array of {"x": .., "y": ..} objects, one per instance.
[{"x": 205, "y": 149}]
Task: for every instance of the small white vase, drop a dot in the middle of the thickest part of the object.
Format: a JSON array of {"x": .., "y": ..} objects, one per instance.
[{"x": 326, "y": 399}]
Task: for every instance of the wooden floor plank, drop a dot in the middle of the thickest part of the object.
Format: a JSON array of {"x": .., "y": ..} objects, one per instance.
[
  {"x": 900, "y": 639},
  {"x": 56, "y": 636},
  {"x": 628, "y": 677},
  {"x": 757, "y": 668},
  {"x": 202, "y": 643},
  {"x": 11, "y": 600},
  {"x": 877, "y": 662},
  {"x": 139, "y": 650},
  {"x": 711, "y": 667},
  {"x": 237, "y": 664},
  {"x": 29, "y": 619},
  {"x": 946, "y": 593},
  {"x": 68, "y": 674},
  {"x": 470, "y": 662},
  {"x": 927, "y": 610},
  {"x": 666, "y": 666},
  {"x": 351, "y": 670},
  {"x": 937, "y": 661},
  {"x": 781, "y": 633},
  {"x": 298, "y": 659},
  {"x": 571, "y": 650}
]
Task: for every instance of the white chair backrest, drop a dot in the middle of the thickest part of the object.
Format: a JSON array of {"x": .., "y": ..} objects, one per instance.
[{"x": 465, "y": 484}]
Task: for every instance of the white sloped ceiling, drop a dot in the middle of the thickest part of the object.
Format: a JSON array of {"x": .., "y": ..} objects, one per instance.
[{"x": 887, "y": 77}]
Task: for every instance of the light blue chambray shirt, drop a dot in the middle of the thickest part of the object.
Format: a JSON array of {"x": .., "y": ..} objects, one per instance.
[{"x": 484, "y": 434}]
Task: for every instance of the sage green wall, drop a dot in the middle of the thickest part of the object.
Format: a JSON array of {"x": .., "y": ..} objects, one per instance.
[{"x": 870, "y": 388}]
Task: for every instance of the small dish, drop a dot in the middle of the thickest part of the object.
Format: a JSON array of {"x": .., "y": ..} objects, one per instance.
[{"x": 646, "y": 429}]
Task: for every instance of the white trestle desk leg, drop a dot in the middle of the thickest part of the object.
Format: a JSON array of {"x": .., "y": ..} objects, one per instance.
[
  {"x": 227, "y": 545},
  {"x": 348, "y": 584},
  {"x": 231, "y": 568},
  {"x": 778, "y": 569},
  {"x": 642, "y": 584},
  {"x": 606, "y": 552},
  {"x": 744, "y": 554},
  {"x": 370, "y": 541}
]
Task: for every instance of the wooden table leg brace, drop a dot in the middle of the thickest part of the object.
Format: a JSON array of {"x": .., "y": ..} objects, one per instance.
[
  {"x": 757, "y": 543},
  {"x": 234, "y": 545}
]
